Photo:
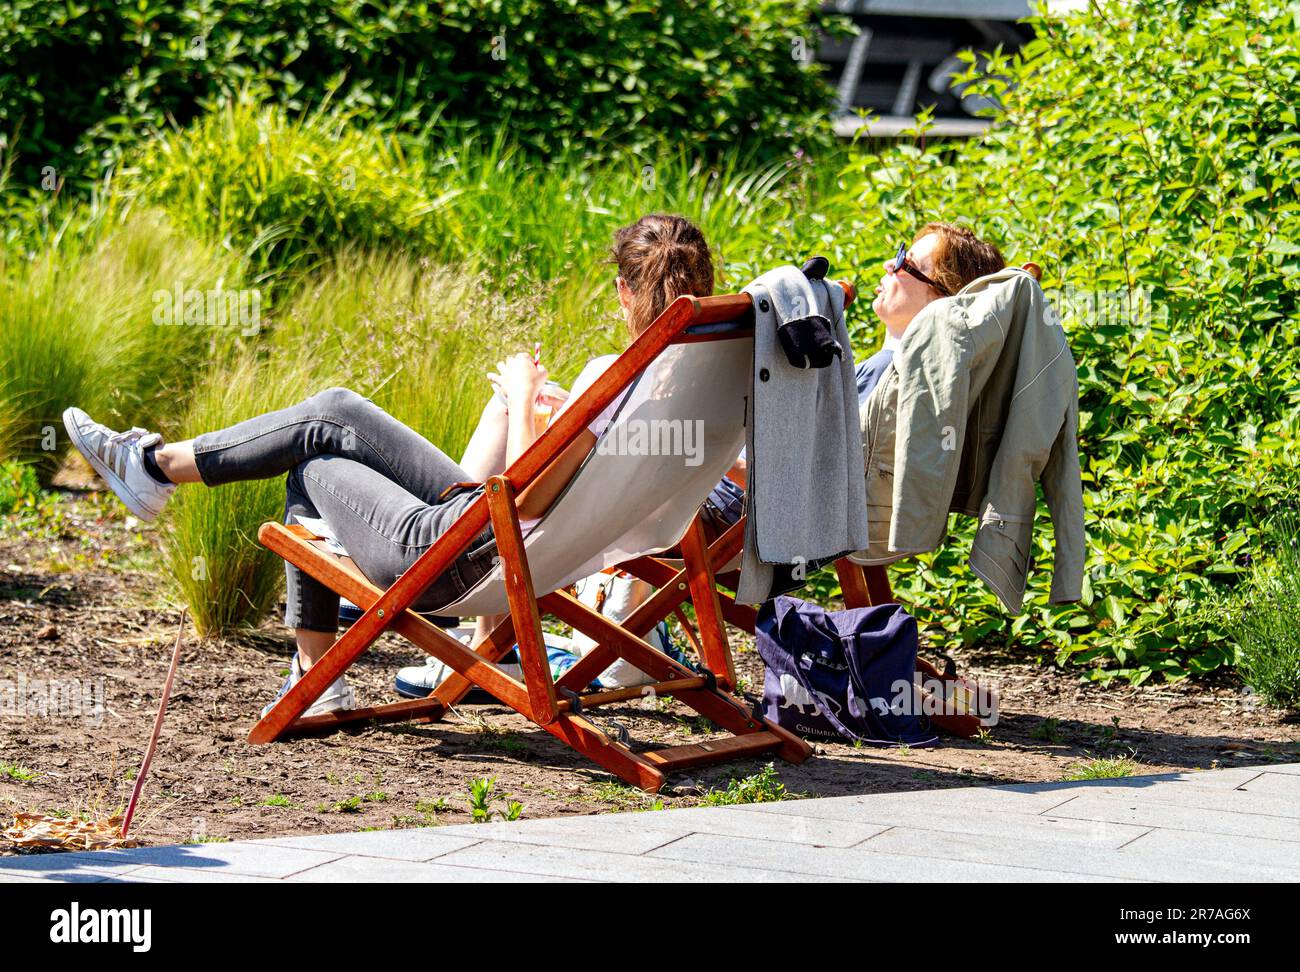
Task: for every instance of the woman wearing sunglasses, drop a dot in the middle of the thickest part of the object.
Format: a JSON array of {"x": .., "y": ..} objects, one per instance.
[{"x": 943, "y": 258}]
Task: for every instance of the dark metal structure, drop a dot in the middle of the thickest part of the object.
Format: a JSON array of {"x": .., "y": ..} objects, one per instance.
[{"x": 904, "y": 55}]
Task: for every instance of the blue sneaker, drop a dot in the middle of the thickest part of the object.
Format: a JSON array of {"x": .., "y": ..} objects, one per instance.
[{"x": 417, "y": 681}]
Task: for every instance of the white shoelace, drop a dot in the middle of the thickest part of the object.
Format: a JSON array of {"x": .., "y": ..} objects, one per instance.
[
  {"x": 115, "y": 449},
  {"x": 130, "y": 435}
]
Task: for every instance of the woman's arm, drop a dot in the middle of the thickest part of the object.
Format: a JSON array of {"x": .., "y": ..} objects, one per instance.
[
  {"x": 739, "y": 473},
  {"x": 521, "y": 380},
  {"x": 521, "y": 429},
  {"x": 538, "y": 497}
]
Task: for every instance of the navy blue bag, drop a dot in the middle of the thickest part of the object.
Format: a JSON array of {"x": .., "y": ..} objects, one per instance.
[{"x": 842, "y": 674}]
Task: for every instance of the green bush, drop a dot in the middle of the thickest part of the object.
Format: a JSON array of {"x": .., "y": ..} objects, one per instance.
[
  {"x": 291, "y": 192},
  {"x": 80, "y": 81},
  {"x": 286, "y": 190},
  {"x": 1156, "y": 183}
]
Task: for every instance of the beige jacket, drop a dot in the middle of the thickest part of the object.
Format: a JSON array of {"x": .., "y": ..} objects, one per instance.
[{"x": 986, "y": 395}]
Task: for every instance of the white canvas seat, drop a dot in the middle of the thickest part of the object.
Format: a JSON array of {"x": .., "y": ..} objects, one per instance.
[{"x": 622, "y": 504}]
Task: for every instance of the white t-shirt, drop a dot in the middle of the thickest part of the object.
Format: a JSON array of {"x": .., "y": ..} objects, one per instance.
[
  {"x": 597, "y": 426},
  {"x": 595, "y": 368}
]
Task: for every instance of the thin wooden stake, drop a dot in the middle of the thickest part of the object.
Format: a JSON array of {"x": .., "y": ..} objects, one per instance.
[{"x": 157, "y": 726}]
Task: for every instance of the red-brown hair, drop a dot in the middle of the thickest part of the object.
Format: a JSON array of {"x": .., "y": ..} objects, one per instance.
[{"x": 961, "y": 256}]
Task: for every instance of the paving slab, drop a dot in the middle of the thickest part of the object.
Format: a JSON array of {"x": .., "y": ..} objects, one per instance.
[
  {"x": 249, "y": 858},
  {"x": 152, "y": 874},
  {"x": 1234, "y": 824},
  {"x": 1274, "y": 784},
  {"x": 1167, "y": 816},
  {"x": 1222, "y": 779},
  {"x": 604, "y": 866},
  {"x": 608, "y": 832},
  {"x": 419, "y": 844},
  {"x": 1152, "y": 863},
  {"x": 1221, "y": 848},
  {"x": 1062, "y": 831},
  {"x": 1246, "y": 801},
  {"x": 611, "y": 832},
  {"x": 349, "y": 870},
  {"x": 996, "y": 799},
  {"x": 796, "y": 862},
  {"x": 1289, "y": 769}
]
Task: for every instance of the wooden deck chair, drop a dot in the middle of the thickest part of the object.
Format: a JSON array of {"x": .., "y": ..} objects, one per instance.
[
  {"x": 862, "y": 586},
  {"x": 618, "y": 507}
]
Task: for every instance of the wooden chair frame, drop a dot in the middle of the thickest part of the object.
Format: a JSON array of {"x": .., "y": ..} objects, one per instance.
[{"x": 553, "y": 705}]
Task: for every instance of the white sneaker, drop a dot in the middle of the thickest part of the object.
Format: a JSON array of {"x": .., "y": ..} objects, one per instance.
[
  {"x": 337, "y": 697},
  {"x": 119, "y": 458}
]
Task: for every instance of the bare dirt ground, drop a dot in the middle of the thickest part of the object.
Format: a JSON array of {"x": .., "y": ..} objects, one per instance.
[{"x": 82, "y": 603}]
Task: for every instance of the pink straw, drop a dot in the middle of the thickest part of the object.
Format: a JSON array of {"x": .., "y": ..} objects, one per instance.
[{"x": 157, "y": 727}]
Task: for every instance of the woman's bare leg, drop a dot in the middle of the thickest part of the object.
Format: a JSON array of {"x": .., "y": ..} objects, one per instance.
[
  {"x": 176, "y": 460},
  {"x": 486, "y": 453},
  {"x": 312, "y": 645},
  {"x": 483, "y": 626}
]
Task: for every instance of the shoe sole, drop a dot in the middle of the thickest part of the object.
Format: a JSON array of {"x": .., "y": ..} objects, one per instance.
[
  {"x": 345, "y": 704},
  {"x": 123, "y": 492}
]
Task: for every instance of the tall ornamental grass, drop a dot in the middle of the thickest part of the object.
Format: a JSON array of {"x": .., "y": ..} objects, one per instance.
[
  {"x": 210, "y": 546},
  {"x": 77, "y": 328},
  {"x": 416, "y": 337},
  {"x": 1264, "y": 615},
  {"x": 419, "y": 338}
]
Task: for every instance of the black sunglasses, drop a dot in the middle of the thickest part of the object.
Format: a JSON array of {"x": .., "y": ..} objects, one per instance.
[{"x": 903, "y": 265}]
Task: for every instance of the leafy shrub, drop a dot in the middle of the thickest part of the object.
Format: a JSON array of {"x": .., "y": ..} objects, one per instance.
[
  {"x": 1156, "y": 184},
  {"x": 81, "y": 80},
  {"x": 289, "y": 190}
]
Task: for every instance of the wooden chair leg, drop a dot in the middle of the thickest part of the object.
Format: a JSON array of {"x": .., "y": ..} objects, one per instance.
[
  {"x": 723, "y": 710},
  {"x": 523, "y": 601},
  {"x": 863, "y": 586},
  {"x": 704, "y": 595}
]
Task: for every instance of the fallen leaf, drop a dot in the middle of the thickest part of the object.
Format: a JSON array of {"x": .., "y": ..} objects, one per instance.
[{"x": 33, "y": 830}]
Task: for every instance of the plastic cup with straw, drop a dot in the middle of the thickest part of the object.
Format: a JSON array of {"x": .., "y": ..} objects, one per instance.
[{"x": 541, "y": 413}]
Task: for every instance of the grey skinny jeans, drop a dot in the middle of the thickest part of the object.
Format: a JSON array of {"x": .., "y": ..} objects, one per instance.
[{"x": 375, "y": 481}]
